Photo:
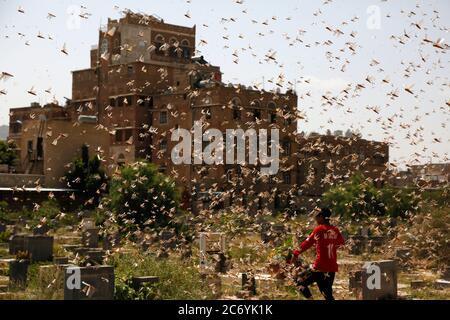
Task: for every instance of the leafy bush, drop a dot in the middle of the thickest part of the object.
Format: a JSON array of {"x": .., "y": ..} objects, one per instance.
[
  {"x": 87, "y": 176},
  {"x": 177, "y": 280},
  {"x": 48, "y": 209},
  {"x": 141, "y": 196},
  {"x": 7, "y": 153},
  {"x": 4, "y": 236},
  {"x": 359, "y": 198},
  {"x": 429, "y": 236},
  {"x": 3, "y": 211},
  {"x": 124, "y": 291}
]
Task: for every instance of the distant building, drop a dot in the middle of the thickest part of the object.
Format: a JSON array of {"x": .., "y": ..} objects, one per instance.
[
  {"x": 432, "y": 175},
  {"x": 327, "y": 160}
]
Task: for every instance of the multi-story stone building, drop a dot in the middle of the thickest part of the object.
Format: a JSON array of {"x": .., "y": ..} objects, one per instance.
[{"x": 144, "y": 82}]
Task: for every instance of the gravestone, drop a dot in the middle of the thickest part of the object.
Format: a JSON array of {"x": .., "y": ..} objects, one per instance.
[
  {"x": 417, "y": 284},
  {"x": 18, "y": 272},
  {"x": 89, "y": 237},
  {"x": 441, "y": 284},
  {"x": 220, "y": 263},
  {"x": 138, "y": 282},
  {"x": 40, "y": 247},
  {"x": 41, "y": 229},
  {"x": 249, "y": 282},
  {"x": 92, "y": 255},
  {"x": 403, "y": 254},
  {"x": 96, "y": 283},
  {"x": 87, "y": 223},
  {"x": 210, "y": 244},
  {"x": 379, "y": 280},
  {"x": 374, "y": 243}
]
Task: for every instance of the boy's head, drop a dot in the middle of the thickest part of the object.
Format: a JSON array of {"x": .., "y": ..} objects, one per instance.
[{"x": 323, "y": 216}]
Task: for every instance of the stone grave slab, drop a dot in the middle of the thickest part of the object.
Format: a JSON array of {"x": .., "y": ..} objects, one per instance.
[{"x": 96, "y": 283}]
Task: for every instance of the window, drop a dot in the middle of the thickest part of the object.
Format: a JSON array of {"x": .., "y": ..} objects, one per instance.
[
  {"x": 120, "y": 101},
  {"x": 272, "y": 117},
  {"x": 230, "y": 175},
  {"x": 127, "y": 101},
  {"x": 236, "y": 106},
  {"x": 159, "y": 41},
  {"x": 287, "y": 177},
  {"x": 173, "y": 47},
  {"x": 287, "y": 115},
  {"x": 16, "y": 127},
  {"x": 256, "y": 114},
  {"x": 163, "y": 145},
  {"x": 130, "y": 70},
  {"x": 128, "y": 134},
  {"x": 185, "y": 49},
  {"x": 286, "y": 148},
  {"x": 118, "y": 136},
  {"x": 142, "y": 135},
  {"x": 163, "y": 117},
  {"x": 141, "y": 101},
  {"x": 255, "y": 104}
]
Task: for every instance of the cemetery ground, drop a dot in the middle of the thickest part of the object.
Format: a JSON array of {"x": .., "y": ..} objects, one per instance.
[{"x": 159, "y": 264}]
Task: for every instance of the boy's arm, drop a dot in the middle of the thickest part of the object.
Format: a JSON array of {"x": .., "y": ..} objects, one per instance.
[{"x": 306, "y": 244}]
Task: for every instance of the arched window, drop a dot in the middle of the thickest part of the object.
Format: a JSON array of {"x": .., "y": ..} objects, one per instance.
[
  {"x": 173, "y": 42},
  {"x": 159, "y": 41},
  {"x": 236, "y": 106},
  {"x": 272, "y": 112},
  {"x": 286, "y": 146},
  {"x": 255, "y": 104},
  {"x": 287, "y": 115},
  {"x": 185, "y": 47}
]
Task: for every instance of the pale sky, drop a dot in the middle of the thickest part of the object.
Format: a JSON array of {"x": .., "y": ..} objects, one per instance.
[{"x": 239, "y": 36}]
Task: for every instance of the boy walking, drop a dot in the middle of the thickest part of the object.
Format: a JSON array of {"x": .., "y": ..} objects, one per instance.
[{"x": 327, "y": 239}]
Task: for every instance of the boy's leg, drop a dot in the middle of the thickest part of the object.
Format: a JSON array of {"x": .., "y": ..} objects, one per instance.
[
  {"x": 325, "y": 284},
  {"x": 307, "y": 281}
]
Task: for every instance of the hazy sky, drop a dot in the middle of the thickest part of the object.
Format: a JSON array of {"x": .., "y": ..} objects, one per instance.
[{"x": 310, "y": 53}]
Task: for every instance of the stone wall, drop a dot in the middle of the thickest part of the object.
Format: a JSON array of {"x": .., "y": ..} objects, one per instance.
[{"x": 10, "y": 180}]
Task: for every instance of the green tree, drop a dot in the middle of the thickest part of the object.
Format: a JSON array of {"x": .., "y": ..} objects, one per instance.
[
  {"x": 141, "y": 196},
  {"x": 360, "y": 198},
  {"x": 7, "y": 152},
  {"x": 87, "y": 176}
]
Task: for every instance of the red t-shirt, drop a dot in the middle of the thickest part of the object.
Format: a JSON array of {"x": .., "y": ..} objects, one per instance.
[{"x": 327, "y": 239}]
